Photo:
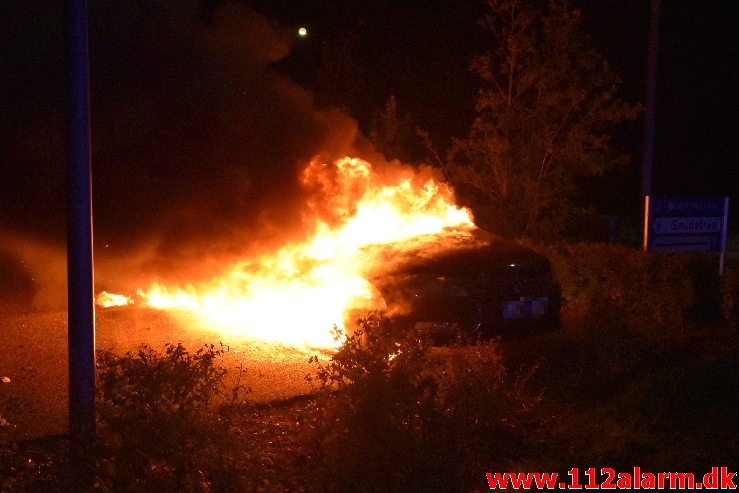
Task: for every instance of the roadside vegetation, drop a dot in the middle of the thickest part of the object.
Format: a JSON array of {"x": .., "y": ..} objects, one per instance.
[{"x": 642, "y": 373}]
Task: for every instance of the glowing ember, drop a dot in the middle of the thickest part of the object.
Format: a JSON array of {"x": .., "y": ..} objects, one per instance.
[
  {"x": 106, "y": 299},
  {"x": 298, "y": 293}
]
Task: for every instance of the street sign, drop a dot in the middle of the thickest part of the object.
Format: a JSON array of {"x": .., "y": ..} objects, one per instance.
[
  {"x": 686, "y": 224},
  {"x": 683, "y": 243}
]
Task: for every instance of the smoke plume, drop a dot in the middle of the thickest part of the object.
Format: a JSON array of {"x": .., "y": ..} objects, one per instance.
[{"x": 197, "y": 144}]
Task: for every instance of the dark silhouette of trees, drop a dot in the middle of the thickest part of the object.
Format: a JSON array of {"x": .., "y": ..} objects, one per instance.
[
  {"x": 396, "y": 136},
  {"x": 545, "y": 113}
]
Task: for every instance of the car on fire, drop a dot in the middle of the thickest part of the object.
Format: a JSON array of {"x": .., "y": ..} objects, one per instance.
[{"x": 467, "y": 283}]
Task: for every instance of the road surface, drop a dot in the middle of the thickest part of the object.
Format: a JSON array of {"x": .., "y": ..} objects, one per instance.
[{"x": 33, "y": 362}]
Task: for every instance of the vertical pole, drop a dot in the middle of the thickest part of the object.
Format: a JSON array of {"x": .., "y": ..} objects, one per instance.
[
  {"x": 645, "y": 245},
  {"x": 651, "y": 102},
  {"x": 649, "y": 110},
  {"x": 724, "y": 234},
  {"x": 81, "y": 310}
]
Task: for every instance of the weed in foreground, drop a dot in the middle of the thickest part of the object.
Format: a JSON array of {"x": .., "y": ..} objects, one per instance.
[
  {"x": 164, "y": 420},
  {"x": 396, "y": 414}
]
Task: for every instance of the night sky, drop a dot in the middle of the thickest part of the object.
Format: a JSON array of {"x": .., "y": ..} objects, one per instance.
[
  {"x": 426, "y": 67},
  {"x": 203, "y": 115}
]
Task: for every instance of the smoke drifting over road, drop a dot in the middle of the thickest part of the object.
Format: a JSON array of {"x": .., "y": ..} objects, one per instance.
[{"x": 197, "y": 143}]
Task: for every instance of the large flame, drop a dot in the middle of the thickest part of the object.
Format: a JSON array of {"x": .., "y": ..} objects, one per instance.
[{"x": 297, "y": 294}]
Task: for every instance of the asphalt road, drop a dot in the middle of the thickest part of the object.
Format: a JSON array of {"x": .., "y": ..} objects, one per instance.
[{"x": 33, "y": 362}]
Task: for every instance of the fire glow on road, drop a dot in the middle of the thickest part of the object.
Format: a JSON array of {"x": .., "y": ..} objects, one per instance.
[{"x": 297, "y": 294}]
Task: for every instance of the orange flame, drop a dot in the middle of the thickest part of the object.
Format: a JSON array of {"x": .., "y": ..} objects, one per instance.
[
  {"x": 297, "y": 294},
  {"x": 107, "y": 300}
]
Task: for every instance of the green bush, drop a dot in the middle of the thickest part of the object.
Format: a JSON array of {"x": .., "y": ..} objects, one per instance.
[
  {"x": 395, "y": 414},
  {"x": 643, "y": 290},
  {"x": 372, "y": 392},
  {"x": 162, "y": 423}
]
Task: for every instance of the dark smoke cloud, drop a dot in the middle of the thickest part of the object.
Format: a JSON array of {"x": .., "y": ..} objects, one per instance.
[{"x": 196, "y": 145}]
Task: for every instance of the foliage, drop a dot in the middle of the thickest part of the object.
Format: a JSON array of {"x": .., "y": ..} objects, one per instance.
[
  {"x": 399, "y": 415},
  {"x": 395, "y": 136},
  {"x": 637, "y": 374},
  {"x": 392, "y": 413},
  {"x": 158, "y": 423},
  {"x": 544, "y": 116},
  {"x": 659, "y": 292}
]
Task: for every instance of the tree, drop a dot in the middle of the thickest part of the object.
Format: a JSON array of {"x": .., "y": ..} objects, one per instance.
[
  {"x": 545, "y": 113},
  {"x": 396, "y": 137}
]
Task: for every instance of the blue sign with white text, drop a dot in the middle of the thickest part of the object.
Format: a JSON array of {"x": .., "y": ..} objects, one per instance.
[{"x": 685, "y": 224}]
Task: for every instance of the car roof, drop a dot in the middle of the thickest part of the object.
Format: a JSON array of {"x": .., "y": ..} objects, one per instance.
[{"x": 452, "y": 251}]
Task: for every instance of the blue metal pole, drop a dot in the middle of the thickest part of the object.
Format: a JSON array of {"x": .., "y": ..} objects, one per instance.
[{"x": 81, "y": 309}]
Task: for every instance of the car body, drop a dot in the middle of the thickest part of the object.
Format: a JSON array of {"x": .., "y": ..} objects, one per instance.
[{"x": 465, "y": 282}]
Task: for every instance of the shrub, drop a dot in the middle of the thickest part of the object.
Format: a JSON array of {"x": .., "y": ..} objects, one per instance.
[
  {"x": 643, "y": 290},
  {"x": 395, "y": 414},
  {"x": 370, "y": 392},
  {"x": 158, "y": 423}
]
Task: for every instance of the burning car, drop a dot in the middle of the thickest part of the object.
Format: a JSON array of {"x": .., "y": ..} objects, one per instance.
[
  {"x": 390, "y": 241},
  {"x": 468, "y": 283}
]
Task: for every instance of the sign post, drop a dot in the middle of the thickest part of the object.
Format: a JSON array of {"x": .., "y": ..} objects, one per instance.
[
  {"x": 81, "y": 308},
  {"x": 687, "y": 224}
]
